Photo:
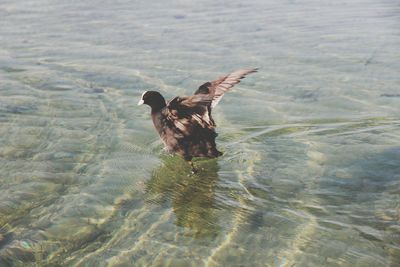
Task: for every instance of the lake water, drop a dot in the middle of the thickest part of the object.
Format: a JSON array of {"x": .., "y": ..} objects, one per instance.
[{"x": 310, "y": 174}]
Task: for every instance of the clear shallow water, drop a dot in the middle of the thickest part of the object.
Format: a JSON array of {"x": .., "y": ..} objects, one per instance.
[{"x": 310, "y": 174}]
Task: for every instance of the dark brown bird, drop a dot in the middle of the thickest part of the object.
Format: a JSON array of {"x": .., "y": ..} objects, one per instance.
[{"x": 185, "y": 123}]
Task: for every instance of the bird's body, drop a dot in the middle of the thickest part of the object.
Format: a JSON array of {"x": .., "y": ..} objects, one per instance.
[{"x": 185, "y": 123}]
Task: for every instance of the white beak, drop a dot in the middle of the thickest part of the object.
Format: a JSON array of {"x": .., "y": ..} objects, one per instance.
[{"x": 141, "y": 102}]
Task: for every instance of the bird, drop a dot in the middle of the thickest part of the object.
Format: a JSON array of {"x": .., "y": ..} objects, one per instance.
[{"x": 185, "y": 124}]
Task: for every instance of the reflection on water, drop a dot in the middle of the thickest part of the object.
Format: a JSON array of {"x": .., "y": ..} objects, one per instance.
[
  {"x": 310, "y": 171},
  {"x": 192, "y": 196}
]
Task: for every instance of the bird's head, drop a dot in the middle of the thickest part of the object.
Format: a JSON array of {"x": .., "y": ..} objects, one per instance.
[{"x": 154, "y": 99}]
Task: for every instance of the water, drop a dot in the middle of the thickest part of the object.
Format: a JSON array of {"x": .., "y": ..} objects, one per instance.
[{"x": 310, "y": 174}]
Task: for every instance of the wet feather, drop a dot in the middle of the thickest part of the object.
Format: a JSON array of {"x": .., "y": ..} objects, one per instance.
[{"x": 185, "y": 123}]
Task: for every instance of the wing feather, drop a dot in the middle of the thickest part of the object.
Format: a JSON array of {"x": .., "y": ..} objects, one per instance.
[
  {"x": 220, "y": 86},
  {"x": 189, "y": 113}
]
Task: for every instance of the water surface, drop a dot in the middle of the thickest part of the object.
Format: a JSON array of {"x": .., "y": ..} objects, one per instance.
[{"x": 310, "y": 174}]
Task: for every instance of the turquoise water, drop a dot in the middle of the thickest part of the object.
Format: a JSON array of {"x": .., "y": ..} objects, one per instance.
[{"x": 310, "y": 174}]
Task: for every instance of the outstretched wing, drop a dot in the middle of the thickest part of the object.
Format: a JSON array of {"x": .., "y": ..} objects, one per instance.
[
  {"x": 189, "y": 114},
  {"x": 218, "y": 87}
]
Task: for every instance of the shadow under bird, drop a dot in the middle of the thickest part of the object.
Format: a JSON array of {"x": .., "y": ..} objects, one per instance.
[{"x": 184, "y": 123}]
